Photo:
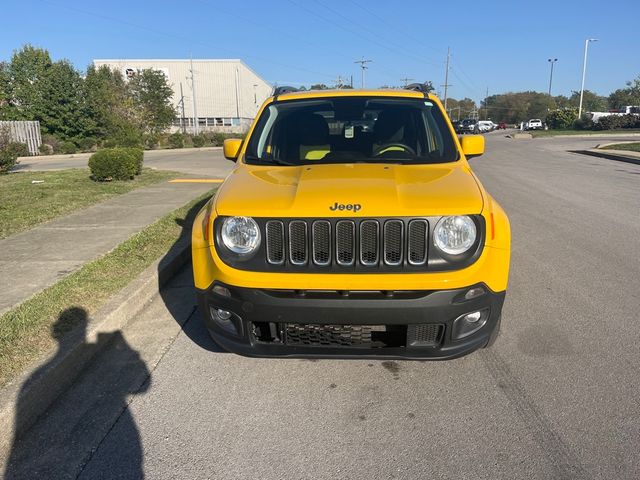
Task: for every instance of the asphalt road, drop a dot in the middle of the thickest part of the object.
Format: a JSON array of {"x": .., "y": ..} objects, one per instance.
[
  {"x": 205, "y": 163},
  {"x": 556, "y": 398}
]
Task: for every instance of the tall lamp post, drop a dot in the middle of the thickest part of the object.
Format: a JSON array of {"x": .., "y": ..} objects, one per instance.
[
  {"x": 584, "y": 71},
  {"x": 551, "y": 61}
]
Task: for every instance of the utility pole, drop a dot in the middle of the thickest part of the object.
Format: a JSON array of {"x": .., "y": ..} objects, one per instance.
[
  {"x": 339, "y": 83},
  {"x": 193, "y": 93},
  {"x": 446, "y": 77},
  {"x": 406, "y": 81},
  {"x": 486, "y": 105},
  {"x": 551, "y": 61},
  {"x": 182, "y": 123},
  {"x": 363, "y": 66},
  {"x": 584, "y": 71}
]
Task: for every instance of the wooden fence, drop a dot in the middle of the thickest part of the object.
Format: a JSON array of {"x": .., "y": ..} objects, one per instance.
[{"x": 25, "y": 132}]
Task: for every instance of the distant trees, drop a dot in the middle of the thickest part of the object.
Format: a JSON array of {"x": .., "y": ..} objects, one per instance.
[
  {"x": 101, "y": 106},
  {"x": 626, "y": 96}
]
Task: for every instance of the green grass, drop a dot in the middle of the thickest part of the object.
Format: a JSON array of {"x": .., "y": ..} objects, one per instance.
[
  {"x": 553, "y": 133},
  {"x": 631, "y": 147},
  {"x": 26, "y": 331},
  {"x": 24, "y": 205}
]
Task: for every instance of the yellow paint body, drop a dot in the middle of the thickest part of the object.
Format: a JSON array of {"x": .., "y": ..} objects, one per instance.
[{"x": 383, "y": 190}]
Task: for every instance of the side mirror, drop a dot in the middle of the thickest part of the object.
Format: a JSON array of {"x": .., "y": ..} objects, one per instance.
[
  {"x": 231, "y": 148},
  {"x": 472, "y": 145}
]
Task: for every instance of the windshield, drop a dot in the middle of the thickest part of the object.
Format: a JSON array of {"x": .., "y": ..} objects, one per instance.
[{"x": 351, "y": 130}]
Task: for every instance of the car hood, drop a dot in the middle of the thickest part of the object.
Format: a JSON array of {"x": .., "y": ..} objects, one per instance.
[{"x": 365, "y": 190}]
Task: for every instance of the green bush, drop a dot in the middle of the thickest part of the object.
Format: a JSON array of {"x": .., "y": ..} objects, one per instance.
[
  {"x": 583, "y": 124},
  {"x": 176, "y": 140},
  {"x": 151, "y": 141},
  {"x": 562, "y": 119},
  {"x": 87, "y": 144},
  {"x": 52, "y": 141},
  {"x": 614, "y": 122},
  {"x": 9, "y": 153},
  {"x": 45, "y": 149},
  {"x": 68, "y": 147},
  {"x": 113, "y": 164},
  {"x": 199, "y": 141},
  {"x": 138, "y": 155}
]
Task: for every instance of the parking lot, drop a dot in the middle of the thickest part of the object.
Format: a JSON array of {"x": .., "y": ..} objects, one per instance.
[{"x": 555, "y": 398}]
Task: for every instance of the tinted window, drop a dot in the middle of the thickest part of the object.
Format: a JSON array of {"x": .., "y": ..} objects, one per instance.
[{"x": 351, "y": 130}]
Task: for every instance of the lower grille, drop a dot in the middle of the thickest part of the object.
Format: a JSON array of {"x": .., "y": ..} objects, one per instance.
[
  {"x": 364, "y": 336},
  {"x": 328, "y": 335},
  {"x": 424, "y": 335}
]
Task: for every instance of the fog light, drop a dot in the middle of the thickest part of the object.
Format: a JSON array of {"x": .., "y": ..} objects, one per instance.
[
  {"x": 223, "y": 319},
  {"x": 470, "y": 317},
  {"x": 474, "y": 293},
  {"x": 469, "y": 323}
]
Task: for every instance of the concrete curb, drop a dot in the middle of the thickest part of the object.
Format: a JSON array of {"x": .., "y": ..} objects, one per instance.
[
  {"x": 30, "y": 395},
  {"x": 610, "y": 155},
  {"x": 82, "y": 156}
]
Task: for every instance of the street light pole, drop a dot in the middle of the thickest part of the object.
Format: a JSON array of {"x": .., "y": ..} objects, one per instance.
[
  {"x": 551, "y": 76},
  {"x": 584, "y": 71}
]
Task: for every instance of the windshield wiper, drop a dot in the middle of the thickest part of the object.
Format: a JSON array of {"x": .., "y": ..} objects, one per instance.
[{"x": 272, "y": 161}]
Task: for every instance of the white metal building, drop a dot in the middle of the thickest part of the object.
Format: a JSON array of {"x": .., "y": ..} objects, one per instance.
[{"x": 227, "y": 92}]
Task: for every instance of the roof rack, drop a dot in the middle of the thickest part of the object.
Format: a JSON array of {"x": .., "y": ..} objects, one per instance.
[
  {"x": 282, "y": 90},
  {"x": 418, "y": 87}
]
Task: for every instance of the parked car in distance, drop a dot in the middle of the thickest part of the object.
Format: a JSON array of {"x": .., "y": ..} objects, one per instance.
[
  {"x": 457, "y": 126},
  {"x": 468, "y": 125},
  {"x": 534, "y": 124},
  {"x": 484, "y": 126},
  {"x": 502, "y": 126}
]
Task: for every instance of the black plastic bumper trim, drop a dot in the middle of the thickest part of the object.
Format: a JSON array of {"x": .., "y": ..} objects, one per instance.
[{"x": 295, "y": 306}]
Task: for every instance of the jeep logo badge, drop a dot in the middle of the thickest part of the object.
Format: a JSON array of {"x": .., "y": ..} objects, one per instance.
[{"x": 354, "y": 207}]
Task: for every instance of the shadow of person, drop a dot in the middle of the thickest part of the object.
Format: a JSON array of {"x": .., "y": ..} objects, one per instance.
[
  {"x": 179, "y": 296},
  {"x": 90, "y": 414}
]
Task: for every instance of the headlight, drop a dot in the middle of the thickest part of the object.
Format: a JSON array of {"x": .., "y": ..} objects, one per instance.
[
  {"x": 241, "y": 235},
  {"x": 455, "y": 235}
]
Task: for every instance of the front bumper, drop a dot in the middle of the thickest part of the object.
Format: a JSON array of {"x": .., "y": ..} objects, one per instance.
[{"x": 262, "y": 320}]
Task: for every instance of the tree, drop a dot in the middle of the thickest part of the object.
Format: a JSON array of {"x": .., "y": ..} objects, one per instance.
[
  {"x": 318, "y": 86},
  {"x": 514, "y": 107},
  {"x": 591, "y": 102},
  {"x": 23, "y": 80},
  {"x": 151, "y": 95},
  {"x": 460, "y": 109},
  {"x": 626, "y": 96},
  {"x": 108, "y": 102}
]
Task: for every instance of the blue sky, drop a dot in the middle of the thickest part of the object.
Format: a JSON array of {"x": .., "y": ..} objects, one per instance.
[{"x": 495, "y": 45}]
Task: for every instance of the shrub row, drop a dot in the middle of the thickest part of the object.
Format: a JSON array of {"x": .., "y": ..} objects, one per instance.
[
  {"x": 116, "y": 163},
  {"x": 614, "y": 122}
]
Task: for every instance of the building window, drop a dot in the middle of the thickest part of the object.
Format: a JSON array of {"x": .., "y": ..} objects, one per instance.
[
  {"x": 235, "y": 122},
  {"x": 202, "y": 122},
  {"x": 226, "y": 122}
]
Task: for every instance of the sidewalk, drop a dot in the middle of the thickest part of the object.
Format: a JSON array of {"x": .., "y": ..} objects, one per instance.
[{"x": 33, "y": 260}]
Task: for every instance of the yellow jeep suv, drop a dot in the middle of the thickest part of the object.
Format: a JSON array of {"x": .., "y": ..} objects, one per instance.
[{"x": 352, "y": 226}]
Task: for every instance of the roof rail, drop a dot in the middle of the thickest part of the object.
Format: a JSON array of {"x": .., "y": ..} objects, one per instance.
[
  {"x": 419, "y": 87},
  {"x": 282, "y": 90}
]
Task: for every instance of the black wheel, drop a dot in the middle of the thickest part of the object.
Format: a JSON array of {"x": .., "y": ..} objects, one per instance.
[{"x": 494, "y": 334}]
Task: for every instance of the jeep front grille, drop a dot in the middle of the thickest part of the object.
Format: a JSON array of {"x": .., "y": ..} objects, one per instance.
[{"x": 365, "y": 244}]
